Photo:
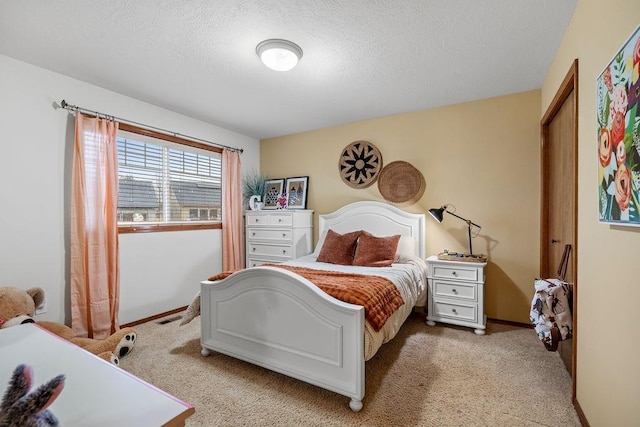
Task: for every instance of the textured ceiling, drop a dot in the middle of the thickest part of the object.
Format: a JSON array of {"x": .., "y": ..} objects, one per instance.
[{"x": 362, "y": 58}]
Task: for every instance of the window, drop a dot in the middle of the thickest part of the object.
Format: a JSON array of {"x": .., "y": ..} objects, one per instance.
[{"x": 167, "y": 183}]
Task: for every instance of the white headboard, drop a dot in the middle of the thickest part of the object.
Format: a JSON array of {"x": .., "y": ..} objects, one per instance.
[{"x": 377, "y": 218}]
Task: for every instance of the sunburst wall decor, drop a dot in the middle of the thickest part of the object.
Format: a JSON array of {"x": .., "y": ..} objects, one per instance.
[{"x": 360, "y": 163}]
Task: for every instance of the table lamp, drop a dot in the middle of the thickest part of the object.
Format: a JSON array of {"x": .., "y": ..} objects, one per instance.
[{"x": 438, "y": 215}]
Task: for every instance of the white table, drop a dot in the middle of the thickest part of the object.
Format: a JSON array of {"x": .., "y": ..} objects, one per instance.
[{"x": 96, "y": 393}]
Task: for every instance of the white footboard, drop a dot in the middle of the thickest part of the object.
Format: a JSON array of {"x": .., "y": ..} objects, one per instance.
[{"x": 276, "y": 319}]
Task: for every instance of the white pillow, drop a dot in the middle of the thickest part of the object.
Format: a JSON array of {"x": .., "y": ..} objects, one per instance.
[
  {"x": 316, "y": 251},
  {"x": 406, "y": 249}
]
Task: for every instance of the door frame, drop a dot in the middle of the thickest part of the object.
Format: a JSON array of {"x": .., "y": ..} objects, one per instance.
[{"x": 568, "y": 85}]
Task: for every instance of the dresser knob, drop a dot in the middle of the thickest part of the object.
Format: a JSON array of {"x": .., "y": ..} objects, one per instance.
[
  {"x": 254, "y": 234},
  {"x": 453, "y": 273},
  {"x": 284, "y": 234},
  {"x": 454, "y": 290},
  {"x": 279, "y": 219},
  {"x": 284, "y": 251},
  {"x": 253, "y": 249},
  {"x": 454, "y": 311},
  {"x": 257, "y": 219}
]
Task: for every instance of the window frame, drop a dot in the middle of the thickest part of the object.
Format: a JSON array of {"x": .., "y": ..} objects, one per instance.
[{"x": 183, "y": 226}]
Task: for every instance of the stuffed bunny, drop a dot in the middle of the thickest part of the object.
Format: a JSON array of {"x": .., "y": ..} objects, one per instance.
[{"x": 19, "y": 408}]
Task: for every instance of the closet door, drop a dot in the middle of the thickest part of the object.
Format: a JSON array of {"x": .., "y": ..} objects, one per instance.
[{"x": 559, "y": 194}]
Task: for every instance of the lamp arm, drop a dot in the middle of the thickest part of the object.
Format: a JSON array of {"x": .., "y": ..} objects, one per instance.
[
  {"x": 464, "y": 219},
  {"x": 469, "y": 224}
]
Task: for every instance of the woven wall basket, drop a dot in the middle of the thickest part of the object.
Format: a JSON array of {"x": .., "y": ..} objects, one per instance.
[
  {"x": 400, "y": 182},
  {"x": 360, "y": 164}
]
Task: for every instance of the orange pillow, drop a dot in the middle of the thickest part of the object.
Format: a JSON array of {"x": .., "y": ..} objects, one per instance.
[
  {"x": 338, "y": 248},
  {"x": 375, "y": 251}
]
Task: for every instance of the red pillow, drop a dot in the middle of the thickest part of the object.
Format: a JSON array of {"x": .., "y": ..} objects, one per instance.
[
  {"x": 375, "y": 251},
  {"x": 338, "y": 248}
]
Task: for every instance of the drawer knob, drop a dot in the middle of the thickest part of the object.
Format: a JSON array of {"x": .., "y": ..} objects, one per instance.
[
  {"x": 257, "y": 220},
  {"x": 253, "y": 249},
  {"x": 454, "y": 290},
  {"x": 279, "y": 219},
  {"x": 453, "y": 273},
  {"x": 284, "y": 251},
  {"x": 254, "y": 234},
  {"x": 454, "y": 311},
  {"x": 284, "y": 234}
]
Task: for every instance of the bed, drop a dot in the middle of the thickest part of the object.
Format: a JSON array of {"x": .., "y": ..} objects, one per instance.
[{"x": 279, "y": 320}]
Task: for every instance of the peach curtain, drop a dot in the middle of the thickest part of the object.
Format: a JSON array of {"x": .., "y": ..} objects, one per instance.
[
  {"x": 232, "y": 244},
  {"x": 95, "y": 279}
]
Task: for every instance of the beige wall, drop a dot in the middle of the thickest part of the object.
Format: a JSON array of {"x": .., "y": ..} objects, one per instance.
[
  {"x": 482, "y": 157},
  {"x": 608, "y": 372}
]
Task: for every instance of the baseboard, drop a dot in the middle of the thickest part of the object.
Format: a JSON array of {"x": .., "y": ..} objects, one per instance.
[
  {"x": 581, "y": 416},
  {"x": 154, "y": 317},
  {"x": 511, "y": 323}
]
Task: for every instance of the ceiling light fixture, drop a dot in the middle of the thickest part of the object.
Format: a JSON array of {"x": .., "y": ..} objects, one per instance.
[{"x": 278, "y": 54}]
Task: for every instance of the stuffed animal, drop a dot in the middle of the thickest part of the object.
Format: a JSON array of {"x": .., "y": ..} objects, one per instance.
[
  {"x": 18, "y": 306},
  {"x": 20, "y": 408}
]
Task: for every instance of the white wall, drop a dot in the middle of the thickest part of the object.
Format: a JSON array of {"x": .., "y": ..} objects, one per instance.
[{"x": 159, "y": 271}]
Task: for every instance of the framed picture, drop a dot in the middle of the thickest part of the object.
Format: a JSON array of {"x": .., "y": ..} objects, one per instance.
[
  {"x": 297, "y": 189},
  {"x": 273, "y": 190},
  {"x": 618, "y": 117}
]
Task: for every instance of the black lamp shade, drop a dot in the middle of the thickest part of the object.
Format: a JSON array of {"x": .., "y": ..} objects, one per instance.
[{"x": 437, "y": 213}]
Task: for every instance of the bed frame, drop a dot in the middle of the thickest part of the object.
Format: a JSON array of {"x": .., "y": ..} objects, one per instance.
[{"x": 279, "y": 320}]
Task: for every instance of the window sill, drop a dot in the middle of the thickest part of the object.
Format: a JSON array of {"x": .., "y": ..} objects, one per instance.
[{"x": 154, "y": 228}]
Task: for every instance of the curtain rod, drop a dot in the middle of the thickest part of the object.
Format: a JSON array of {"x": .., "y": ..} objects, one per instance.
[{"x": 70, "y": 107}]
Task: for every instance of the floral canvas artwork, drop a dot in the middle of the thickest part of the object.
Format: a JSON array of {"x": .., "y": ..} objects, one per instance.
[{"x": 618, "y": 114}]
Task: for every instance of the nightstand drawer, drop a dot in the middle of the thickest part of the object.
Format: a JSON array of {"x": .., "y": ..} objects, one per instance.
[
  {"x": 455, "y": 272},
  {"x": 269, "y": 234},
  {"x": 455, "y": 311},
  {"x": 281, "y": 251},
  {"x": 442, "y": 288}
]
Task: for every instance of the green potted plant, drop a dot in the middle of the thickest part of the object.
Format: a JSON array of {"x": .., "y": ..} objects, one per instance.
[{"x": 253, "y": 189}]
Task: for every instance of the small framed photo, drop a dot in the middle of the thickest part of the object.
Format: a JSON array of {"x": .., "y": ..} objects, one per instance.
[
  {"x": 297, "y": 189},
  {"x": 273, "y": 190}
]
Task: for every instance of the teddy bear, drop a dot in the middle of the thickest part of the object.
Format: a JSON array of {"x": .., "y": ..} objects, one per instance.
[{"x": 18, "y": 306}]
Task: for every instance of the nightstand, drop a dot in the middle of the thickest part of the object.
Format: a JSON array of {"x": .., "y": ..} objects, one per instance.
[{"x": 456, "y": 293}]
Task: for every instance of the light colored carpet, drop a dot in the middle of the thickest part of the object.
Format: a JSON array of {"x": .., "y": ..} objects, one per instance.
[{"x": 426, "y": 376}]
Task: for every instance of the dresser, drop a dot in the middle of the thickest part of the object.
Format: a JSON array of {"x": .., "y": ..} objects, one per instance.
[
  {"x": 456, "y": 293},
  {"x": 274, "y": 236}
]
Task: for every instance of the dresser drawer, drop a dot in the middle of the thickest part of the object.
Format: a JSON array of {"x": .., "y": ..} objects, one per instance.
[
  {"x": 455, "y": 272},
  {"x": 259, "y": 249},
  {"x": 284, "y": 219},
  {"x": 269, "y": 220},
  {"x": 251, "y": 262},
  {"x": 443, "y": 288},
  {"x": 269, "y": 234},
  {"x": 451, "y": 310}
]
